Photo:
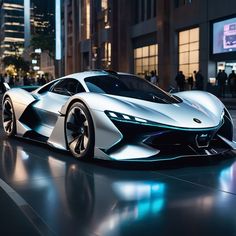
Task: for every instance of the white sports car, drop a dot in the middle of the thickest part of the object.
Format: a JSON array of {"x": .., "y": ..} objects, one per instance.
[{"x": 118, "y": 116}]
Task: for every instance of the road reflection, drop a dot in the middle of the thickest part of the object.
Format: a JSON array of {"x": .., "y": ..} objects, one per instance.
[{"x": 74, "y": 196}]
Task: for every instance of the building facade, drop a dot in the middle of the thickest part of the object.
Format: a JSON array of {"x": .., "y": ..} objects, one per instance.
[
  {"x": 140, "y": 36},
  {"x": 12, "y": 27}
]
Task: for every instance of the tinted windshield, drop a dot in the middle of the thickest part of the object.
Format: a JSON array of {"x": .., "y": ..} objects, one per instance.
[{"x": 128, "y": 86}]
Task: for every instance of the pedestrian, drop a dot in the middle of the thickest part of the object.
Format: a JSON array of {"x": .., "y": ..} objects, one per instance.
[
  {"x": 180, "y": 80},
  {"x": 43, "y": 80},
  {"x": 190, "y": 81},
  {"x": 26, "y": 80},
  {"x": 154, "y": 78},
  {"x": 146, "y": 76},
  {"x": 199, "y": 80},
  {"x": 232, "y": 83},
  {"x": 221, "y": 79}
]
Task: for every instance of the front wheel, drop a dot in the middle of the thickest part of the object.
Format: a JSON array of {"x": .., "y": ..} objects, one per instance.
[
  {"x": 8, "y": 118},
  {"x": 79, "y": 131}
]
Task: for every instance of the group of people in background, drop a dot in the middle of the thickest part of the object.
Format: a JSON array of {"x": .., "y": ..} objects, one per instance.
[
  {"x": 223, "y": 80},
  {"x": 194, "y": 81},
  {"x": 22, "y": 80}
]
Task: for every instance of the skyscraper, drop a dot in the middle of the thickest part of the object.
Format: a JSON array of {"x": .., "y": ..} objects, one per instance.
[{"x": 12, "y": 27}]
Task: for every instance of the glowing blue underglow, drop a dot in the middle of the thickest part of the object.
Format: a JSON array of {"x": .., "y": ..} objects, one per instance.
[
  {"x": 27, "y": 23},
  {"x": 58, "y": 28}
]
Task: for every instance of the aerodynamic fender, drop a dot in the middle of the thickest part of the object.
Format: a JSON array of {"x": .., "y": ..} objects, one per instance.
[
  {"x": 102, "y": 124},
  {"x": 20, "y": 98},
  {"x": 203, "y": 100}
]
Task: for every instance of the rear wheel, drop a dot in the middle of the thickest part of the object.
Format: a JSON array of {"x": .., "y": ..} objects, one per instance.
[
  {"x": 79, "y": 131},
  {"x": 8, "y": 118}
]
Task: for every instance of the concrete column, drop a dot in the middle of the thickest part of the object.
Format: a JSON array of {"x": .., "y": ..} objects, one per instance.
[{"x": 163, "y": 39}]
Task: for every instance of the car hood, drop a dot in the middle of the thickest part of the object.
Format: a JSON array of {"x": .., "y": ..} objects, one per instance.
[{"x": 182, "y": 114}]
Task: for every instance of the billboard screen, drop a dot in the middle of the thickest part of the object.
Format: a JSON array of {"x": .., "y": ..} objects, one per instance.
[{"x": 224, "y": 36}]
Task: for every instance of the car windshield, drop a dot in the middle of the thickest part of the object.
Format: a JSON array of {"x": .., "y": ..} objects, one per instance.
[{"x": 128, "y": 86}]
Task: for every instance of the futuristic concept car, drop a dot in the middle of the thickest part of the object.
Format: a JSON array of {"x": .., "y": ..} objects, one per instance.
[{"x": 118, "y": 116}]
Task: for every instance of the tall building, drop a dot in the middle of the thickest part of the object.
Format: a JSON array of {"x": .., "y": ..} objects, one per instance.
[
  {"x": 12, "y": 27},
  {"x": 42, "y": 19}
]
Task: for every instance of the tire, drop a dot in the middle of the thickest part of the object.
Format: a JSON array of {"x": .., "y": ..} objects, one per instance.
[
  {"x": 8, "y": 118},
  {"x": 79, "y": 131}
]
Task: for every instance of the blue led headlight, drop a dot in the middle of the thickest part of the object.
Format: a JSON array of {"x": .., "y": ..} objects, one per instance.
[{"x": 126, "y": 118}]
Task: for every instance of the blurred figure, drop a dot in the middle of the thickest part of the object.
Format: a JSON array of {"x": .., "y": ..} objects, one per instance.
[
  {"x": 43, "y": 80},
  {"x": 190, "y": 82},
  {"x": 146, "y": 76},
  {"x": 221, "y": 79},
  {"x": 11, "y": 81},
  {"x": 154, "y": 78},
  {"x": 26, "y": 80},
  {"x": 2, "y": 83},
  {"x": 180, "y": 80},
  {"x": 199, "y": 80},
  {"x": 232, "y": 83}
]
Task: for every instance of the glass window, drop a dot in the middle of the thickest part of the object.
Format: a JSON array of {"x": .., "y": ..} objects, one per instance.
[
  {"x": 68, "y": 87},
  {"x": 128, "y": 86},
  {"x": 145, "y": 60},
  {"x": 106, "y": 54},
  {"x": 189, "y": 51}
]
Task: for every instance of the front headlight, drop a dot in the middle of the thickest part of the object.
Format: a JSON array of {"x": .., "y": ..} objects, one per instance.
[{"x": 126, "y": 118}]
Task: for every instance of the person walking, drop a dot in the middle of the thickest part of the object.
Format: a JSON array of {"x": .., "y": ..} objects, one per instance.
[
  {"x": 221, "y": 79},
  {"x": 180, "y": 80},
  {"x": 190, "y": 82},
  {"x": 199, "y": 80},
  {"x": 232, "y": 83},
  {"x": 154, "y": 78}
]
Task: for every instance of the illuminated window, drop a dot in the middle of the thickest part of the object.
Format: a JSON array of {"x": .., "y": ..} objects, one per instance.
[
  {"x": 104, "y": 4},
  {"x": 87, "y": 19},
  {"x": 105, "y": 10},
  {"x": 189, "y": 51},
  {"x": 106, "y": 55},
  {"x": 146, "y": 60}
]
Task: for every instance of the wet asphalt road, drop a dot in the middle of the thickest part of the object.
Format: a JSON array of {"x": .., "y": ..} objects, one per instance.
[{"x": 72, "y": 197}]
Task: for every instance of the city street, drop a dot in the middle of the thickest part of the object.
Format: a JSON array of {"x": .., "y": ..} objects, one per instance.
[{"x": 65, "y": 196}]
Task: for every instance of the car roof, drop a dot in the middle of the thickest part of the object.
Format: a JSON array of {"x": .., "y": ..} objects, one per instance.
[{"x": 82, "y": 75}]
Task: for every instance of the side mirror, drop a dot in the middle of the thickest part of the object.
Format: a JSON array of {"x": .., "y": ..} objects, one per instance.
[{"x": 172, "y": 89}]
